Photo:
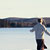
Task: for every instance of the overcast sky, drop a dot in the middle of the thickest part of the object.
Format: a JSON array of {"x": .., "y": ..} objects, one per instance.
[{"x": 24, "y": 8}]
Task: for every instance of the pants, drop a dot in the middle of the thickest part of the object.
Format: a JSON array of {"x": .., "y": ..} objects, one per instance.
[{"x": 40, "y": 44}]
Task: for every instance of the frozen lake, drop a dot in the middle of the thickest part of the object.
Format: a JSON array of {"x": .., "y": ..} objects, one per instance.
[{"x": 19, "y": 39}]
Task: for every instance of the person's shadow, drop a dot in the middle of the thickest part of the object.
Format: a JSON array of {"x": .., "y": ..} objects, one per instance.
[{"x": 45, "y": 47}]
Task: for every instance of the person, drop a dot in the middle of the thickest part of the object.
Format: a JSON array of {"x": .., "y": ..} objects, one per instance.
[{"x": 39, "y": 29}]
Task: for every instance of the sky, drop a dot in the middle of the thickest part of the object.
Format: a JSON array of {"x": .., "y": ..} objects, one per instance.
[{"x": 24, "y": 8}]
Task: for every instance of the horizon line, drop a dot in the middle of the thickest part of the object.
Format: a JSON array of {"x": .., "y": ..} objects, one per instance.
[{"x": 22, "y": 17}]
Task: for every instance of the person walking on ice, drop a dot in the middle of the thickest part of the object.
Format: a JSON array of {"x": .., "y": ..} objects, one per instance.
[{"x": 39, "y": 29}]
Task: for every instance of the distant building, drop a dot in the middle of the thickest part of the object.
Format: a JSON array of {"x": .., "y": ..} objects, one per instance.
[{"x": 4, "y": 23}]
